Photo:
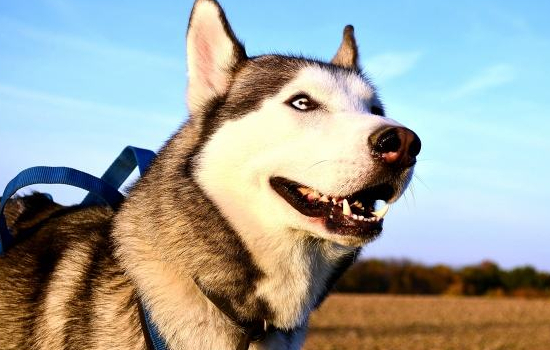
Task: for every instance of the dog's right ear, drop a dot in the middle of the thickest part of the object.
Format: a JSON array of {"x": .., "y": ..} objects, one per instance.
[
  {"x": 348, "y": 53},
  {"x": 213, "y": 53}
]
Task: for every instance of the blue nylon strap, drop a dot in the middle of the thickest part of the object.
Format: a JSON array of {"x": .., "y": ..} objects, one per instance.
[
  {"x": 53, "y": 175},
  {"x": 122, "y": 167},
  {"x": 156, "y": 339},
  {"x": 104, "y": 189}
]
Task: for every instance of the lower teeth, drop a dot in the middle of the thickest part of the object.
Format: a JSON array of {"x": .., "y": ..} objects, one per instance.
[{"x": 314, "y": 196}]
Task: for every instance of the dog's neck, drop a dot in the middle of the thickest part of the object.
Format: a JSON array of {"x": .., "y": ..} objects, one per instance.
[
  {"x": 298, "y": 274},
  {"x": 165, "y": 247}
]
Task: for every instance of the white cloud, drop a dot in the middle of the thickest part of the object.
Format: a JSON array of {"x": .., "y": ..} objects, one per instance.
[
  {"x": 71, "y": 42},
  {"x": 391, "y": 65},
  {"x": 490, "y": 77},
  {"x": 68, "y": 107}
]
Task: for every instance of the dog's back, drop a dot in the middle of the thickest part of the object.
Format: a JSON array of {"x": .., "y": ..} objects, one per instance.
[{"x": 60, "y": 287}]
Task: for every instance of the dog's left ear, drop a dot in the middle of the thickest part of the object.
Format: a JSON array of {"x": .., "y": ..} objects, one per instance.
[
  {"x": 213, "y": 53},
  {"x": 348, "y": 54}
]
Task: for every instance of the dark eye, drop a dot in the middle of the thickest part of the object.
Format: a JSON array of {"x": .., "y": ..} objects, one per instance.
[
  {"x": 377, "y": 111},
  {"x": 302, "y": 103}
]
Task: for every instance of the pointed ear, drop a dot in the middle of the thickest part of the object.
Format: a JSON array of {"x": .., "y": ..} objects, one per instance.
[
  {"x": 213, "y": 53},
  {"x": 347, "y": 55}
]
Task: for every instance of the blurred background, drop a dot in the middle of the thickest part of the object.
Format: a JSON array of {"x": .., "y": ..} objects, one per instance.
[{"x": 81, "y": 80}]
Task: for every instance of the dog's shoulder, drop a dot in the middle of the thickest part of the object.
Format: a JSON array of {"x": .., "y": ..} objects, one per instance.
[
  {"x": 44, "y": 231},
  {"x": 38, "y": 213},
  {"x": 62, "y": 257}
]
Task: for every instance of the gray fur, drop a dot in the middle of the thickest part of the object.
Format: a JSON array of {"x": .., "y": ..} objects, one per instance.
[
  {"x": 76, "y": 274},
  {"x": 348, "y": 54}
]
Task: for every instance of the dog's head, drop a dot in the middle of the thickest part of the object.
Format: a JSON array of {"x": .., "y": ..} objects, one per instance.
[{"x": 292, "y": 145}]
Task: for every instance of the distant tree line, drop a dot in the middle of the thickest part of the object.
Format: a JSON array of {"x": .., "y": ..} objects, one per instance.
[{"x": 407, "y": 277}]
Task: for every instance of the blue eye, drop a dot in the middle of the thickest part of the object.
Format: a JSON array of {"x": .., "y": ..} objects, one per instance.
[{"x": 302, "y": 103}]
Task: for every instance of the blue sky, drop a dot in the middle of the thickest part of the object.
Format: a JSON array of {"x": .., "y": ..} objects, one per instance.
[{"x": 80, "y": 80}]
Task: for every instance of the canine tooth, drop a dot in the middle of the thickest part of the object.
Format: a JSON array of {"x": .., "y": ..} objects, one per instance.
[
  {"x": 347, "y": 209},
  {"x": 380, "y": 213},
  {"x": 324, "y": 199}
]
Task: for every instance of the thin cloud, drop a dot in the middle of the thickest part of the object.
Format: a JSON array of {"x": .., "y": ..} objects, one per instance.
[
  {"x": 391, "y": 65},
  {"x": 12, "y": 95},
  {"x": 493, "y": 76},
  {"x": 15, "y": 27},
  {"x": 65, "y": 9}
]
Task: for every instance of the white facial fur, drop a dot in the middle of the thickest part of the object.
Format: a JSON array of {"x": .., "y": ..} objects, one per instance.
[{"x": 326, "y": 149}]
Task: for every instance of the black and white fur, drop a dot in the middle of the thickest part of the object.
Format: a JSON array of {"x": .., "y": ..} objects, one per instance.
[{"x": 204, "y": 213}]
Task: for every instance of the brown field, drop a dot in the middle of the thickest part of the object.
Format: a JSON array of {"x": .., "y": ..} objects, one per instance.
[{"x": 353, "y": 322}]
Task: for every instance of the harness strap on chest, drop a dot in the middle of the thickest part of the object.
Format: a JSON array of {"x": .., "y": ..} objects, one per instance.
[{"x": 153, "y": 339}]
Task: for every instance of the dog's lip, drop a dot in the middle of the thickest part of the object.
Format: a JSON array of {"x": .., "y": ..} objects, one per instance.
[{"x": 339, "y": 216}]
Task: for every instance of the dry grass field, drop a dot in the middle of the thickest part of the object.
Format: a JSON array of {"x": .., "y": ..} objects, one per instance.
[{"x": 353, "y": 322}]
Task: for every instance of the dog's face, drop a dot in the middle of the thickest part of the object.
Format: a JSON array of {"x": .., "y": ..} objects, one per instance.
[{"x": 293, "y": 146}]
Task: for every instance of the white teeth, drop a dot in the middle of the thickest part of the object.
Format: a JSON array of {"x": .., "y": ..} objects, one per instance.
[
  {"x": 380, "y": 213},
  {"x": 347, "y": 209},
  {"x": 314, "y": 195}
]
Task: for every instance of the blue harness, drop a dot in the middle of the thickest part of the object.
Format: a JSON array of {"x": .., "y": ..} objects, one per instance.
[
  {"x": 105, "y": 190},
  {"x": 101, "y": 190}
]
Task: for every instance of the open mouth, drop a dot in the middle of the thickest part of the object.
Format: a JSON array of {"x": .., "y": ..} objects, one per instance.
[{"x": 351, "y": 215}]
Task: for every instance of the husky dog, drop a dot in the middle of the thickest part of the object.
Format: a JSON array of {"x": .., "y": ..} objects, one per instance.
[{"x": 249, "y": 212}]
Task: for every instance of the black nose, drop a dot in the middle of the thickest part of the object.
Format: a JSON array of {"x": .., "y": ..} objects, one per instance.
[{"x": 396, "y": 146}]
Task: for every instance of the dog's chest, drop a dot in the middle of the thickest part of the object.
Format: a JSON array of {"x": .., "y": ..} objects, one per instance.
[{"x": 296, "y": 280}]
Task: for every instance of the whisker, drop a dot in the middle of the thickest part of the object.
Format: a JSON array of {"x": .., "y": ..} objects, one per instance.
[
  {"x": 422, "y": 182},
  {"x": 411, "y": 189},
  {"x": 316, "y": 163},
  {"x": 406, "y": 199}
]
